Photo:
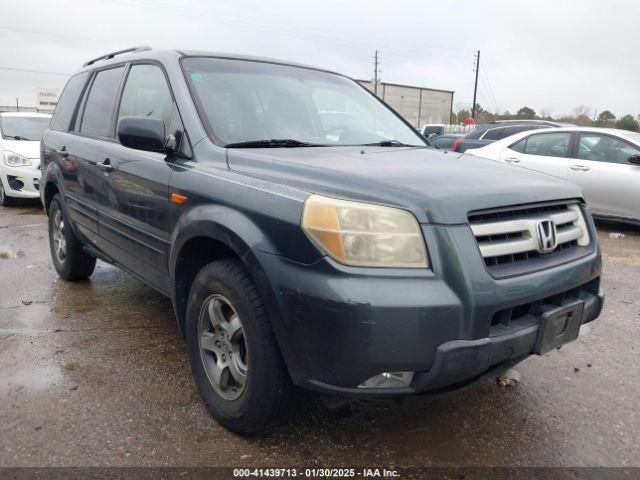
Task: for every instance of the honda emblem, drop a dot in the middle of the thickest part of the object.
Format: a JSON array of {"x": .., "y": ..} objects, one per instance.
[{"x": 547, "y": 236}]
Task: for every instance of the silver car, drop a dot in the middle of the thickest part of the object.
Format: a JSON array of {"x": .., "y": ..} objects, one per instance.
[{"x": 604, "y": 162}]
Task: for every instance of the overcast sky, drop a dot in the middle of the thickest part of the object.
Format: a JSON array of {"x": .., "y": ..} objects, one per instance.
[{"x": 550, "y": 55}]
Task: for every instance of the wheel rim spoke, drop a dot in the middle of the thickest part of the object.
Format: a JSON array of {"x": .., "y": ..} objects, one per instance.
[
  {"x": 217, "y": 371},
  {"x": 232, "y": 327},
  {"x": 238, "y": 373},
  {"x": 216, "y": 317}
]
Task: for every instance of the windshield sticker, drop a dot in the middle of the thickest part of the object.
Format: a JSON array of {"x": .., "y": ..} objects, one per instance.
[{"x": 197, "y": 77}]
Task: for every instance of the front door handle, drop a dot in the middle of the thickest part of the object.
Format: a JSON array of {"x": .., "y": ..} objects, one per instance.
[
  {"x": 105, "y": 166},
  {"x": 512, "y": 160},
  {"x": 63, "y": 152},
  {"x": 581, "y": 168}
]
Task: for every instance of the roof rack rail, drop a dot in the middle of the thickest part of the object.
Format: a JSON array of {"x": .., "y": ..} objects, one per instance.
[{"x": 109, "y": 56}]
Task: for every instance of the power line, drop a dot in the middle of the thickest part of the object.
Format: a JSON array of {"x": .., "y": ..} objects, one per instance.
[
  {"x": 61, "y": 35},
  {"x": 487, "y": 93},
  {"x": 207, "y": 16},
  {"x": 33, "y": 71},
  {"x": 490, "y": 88}
]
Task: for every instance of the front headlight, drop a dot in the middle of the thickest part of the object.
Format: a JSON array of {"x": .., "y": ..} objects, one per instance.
[
  {"x": 364, "y": 235},
  {"x": 14, "y": 160}
]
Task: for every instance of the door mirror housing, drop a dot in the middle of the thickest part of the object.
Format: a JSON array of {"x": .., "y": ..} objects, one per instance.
[
  {"x": 635, "y": 160},
  {"x": 142, "y": 133}
]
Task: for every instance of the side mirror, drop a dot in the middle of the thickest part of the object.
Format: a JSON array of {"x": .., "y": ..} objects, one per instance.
[
  {"x": 635, "y": 160},
  {"x": 142, "y": 133}
]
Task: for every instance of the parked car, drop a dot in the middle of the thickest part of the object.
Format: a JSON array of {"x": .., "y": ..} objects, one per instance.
[
  {"x": 444, "y": 142},
  {"x": 548, "y": 123},
  {"x": 354, "y": 261},
  {"x": 604, "y": 162},
  {"x": 490, "y": 132},
  {"x": 20, "y": 135},
  {"x": 432, "y": 129}
]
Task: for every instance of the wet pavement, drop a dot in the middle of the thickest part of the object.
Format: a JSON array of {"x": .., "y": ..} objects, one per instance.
[{"x": 96, "y": 373}]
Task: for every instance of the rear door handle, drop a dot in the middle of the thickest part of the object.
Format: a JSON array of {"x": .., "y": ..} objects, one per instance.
[
  {"x": 580, "y": 168},
  {"x": 63, "y": 152},
  {"x": 512, "y": 160},
  {"x": 105, "y": 166}
]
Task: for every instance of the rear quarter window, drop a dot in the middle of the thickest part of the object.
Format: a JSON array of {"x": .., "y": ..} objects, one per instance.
[
  {"x": 63, "y": 114},
  {"x": 98, "y": 110},
  {"x": 494, "y": 134}
]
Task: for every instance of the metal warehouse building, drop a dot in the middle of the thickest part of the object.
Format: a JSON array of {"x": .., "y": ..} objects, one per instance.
[{"x": 418, "y": 105}]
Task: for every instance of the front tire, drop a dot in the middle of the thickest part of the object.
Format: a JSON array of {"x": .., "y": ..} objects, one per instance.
[
  {"x": 5, "y": 200},
  {"x": 235, "y": 359},
  {"x": 69, "y": 258}
]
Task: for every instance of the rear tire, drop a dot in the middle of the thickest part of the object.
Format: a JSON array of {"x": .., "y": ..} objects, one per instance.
[
  {"x": 235, "y": 359},
  {"x": 69, "y": 258}
]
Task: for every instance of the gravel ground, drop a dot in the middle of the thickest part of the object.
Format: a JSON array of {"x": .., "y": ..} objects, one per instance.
[{"x": 96, "y": 374}]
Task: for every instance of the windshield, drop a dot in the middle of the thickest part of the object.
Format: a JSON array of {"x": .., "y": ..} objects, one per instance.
[
  {"x": 244, "y": 101},
  {"x": 23, "y": 128},
  {"x": 633, "y": 136}
]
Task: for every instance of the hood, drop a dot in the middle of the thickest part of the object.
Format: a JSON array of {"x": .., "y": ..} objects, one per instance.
[
  {"x": 438, "y": 187},
  {"x": 26, "y": 148}
]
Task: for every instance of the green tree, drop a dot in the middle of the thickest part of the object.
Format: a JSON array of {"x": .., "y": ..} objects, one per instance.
[
  {"x": 479, "y": 108},
  {"x": 627, "y": 123},
  {"x": 463, "y": 115},
  {"x": 605, "y": 119},
  {"x": 526, "y": 112},
  {"x": 582, "y": 120}
]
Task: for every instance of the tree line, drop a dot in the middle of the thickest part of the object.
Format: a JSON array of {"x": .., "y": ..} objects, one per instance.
[{"x": 579, "y": 116}]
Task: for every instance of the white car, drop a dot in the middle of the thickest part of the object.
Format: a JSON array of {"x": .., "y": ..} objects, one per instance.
[
  {"x": 432, "y": 129},
  {"x": 604, "y": 162},
  {"x": 20, "y": 135}
]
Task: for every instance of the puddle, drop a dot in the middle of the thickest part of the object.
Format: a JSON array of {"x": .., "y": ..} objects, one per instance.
[
  {"x": 36, "y": 379},
  {"x": 7, "y": 254}
]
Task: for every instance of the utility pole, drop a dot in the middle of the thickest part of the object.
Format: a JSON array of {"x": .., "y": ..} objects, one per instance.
[
  {"x": 475, "y": 88},
  {"x": 17, "y": 107},
  {"x": 375, "y": 72}
]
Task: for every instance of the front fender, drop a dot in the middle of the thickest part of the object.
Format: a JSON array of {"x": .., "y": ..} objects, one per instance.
[
  {"x": 221, "y": 223},
  {"x": 249, "y": 241}
]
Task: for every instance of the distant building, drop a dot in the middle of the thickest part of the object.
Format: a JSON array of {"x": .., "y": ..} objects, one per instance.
[
  {"x": 418, "y": 105},
  {"x": 47, "y": 99}
]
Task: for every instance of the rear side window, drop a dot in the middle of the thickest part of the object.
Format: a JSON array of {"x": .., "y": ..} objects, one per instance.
[
  {"x": 545, "y": 144},
  {"x": 508, "y": 131},
  {"x": 98, "y": 110},
  {"x": 68, "y": 100},
  {"x": 146, "y": 94},
  {"x": 494, "y": 134},
  {"x": 476, "y": 134}
]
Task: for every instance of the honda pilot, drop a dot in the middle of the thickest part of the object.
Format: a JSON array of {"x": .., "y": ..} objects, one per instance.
[{"x": 306, "y": 234}]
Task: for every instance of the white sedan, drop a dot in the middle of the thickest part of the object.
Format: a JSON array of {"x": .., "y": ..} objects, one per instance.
[
  {"x": 604, "y": 162},
  {"x": 20, "y": 135}
]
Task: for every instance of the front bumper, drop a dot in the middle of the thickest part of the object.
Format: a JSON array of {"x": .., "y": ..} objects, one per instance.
[
  {"x": 20, "y": 182},
  {"x": 338, "y": 326}
]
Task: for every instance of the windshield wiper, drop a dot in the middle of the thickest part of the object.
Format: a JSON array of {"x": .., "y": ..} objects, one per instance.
[
  {"x": 389, "y": 143},
  {"x": 272, "y": 143},
  {"x": 16, "y": 137}
]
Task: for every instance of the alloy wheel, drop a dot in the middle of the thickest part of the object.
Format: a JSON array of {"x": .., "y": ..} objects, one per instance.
[
  {"x": 222, "y": 347},
  {"x": 59, "y": 240}
]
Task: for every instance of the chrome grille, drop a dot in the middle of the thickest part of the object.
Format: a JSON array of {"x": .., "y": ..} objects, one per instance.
[{"x": 509, "y": 239}]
